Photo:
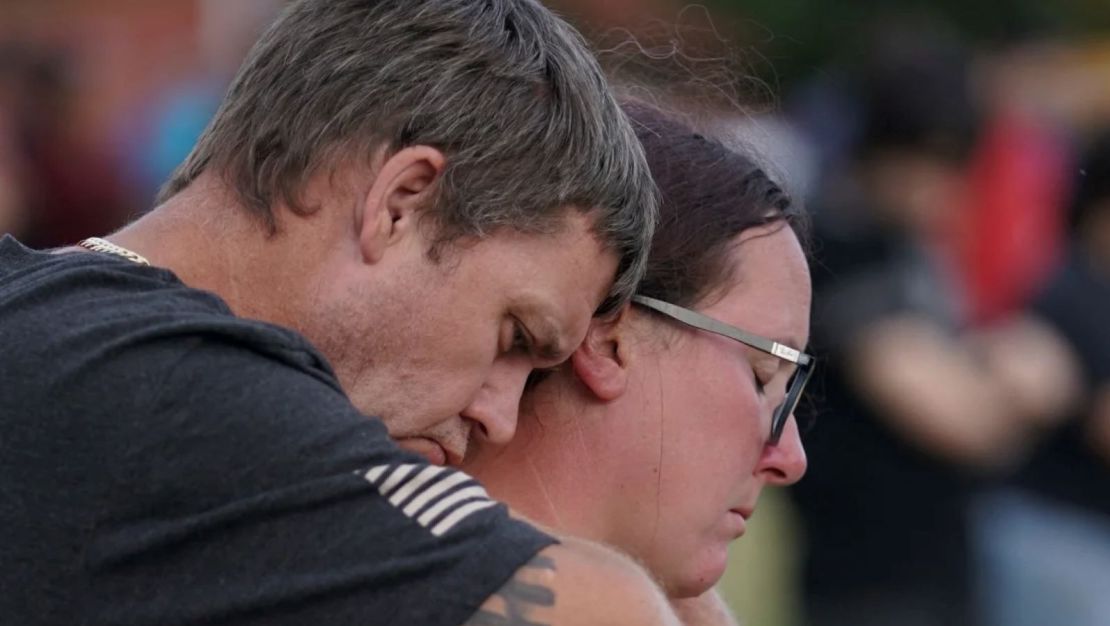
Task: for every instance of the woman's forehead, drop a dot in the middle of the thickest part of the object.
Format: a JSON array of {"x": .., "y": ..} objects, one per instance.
[{"x": 769, "y": 291}]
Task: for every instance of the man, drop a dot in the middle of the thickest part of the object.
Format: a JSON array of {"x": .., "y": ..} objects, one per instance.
[{"x": 437, "y": 194}]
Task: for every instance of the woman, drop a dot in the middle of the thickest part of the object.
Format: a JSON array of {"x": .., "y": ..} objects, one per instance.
[{"x": 659, "y": 434}]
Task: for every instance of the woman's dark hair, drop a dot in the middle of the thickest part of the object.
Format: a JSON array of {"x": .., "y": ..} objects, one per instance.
[{"x": 710, "y": 194}]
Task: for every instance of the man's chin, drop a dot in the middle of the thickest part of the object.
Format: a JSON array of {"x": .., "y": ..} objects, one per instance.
[{"x": 430, "y": 450}]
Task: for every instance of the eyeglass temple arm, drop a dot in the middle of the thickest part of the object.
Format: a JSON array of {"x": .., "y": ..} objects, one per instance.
[{"x": 703, "y": 322}]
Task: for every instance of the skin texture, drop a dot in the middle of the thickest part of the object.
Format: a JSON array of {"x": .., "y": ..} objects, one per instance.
[
  {"x": 708, "y": 609},
  {"x": 654, "y": 440},
  {"x": 447, "y": 345},
  {"x": 520, "y": 302},
  {"x": 440, "y": 350},
  {"x": 482, "y": 326},
  {"x": 577, "y": 583}
]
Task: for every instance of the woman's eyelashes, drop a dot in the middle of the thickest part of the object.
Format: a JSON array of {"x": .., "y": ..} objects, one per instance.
[
  {"x": 760, "y": 384},
  {"x": 764, "y": 373}
]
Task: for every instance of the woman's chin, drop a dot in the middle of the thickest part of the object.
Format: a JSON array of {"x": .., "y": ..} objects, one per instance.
[{"x": 698, "y": 577}]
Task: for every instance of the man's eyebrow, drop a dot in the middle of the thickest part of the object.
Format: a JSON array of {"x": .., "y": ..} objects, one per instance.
[{"x": 549, "y": 341}]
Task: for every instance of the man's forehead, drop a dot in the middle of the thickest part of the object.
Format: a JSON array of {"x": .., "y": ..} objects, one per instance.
[{"x": 574, "y": 275}]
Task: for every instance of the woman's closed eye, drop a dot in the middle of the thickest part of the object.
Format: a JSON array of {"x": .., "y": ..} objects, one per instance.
[
  {"x": 764, "y": 371},
  {"x": 760, "y": 381}
]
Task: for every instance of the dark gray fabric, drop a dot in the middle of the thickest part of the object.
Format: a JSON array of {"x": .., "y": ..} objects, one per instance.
[
  {"x": 1065, "y": 467},
  {"x": 164, "y": 462}
]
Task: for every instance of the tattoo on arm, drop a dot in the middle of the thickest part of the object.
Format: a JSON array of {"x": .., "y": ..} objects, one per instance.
[{"x": 517, "y": 602}]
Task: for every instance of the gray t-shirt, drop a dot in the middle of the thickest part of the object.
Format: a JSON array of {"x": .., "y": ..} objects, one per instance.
[{"x": 165, "y": 462}]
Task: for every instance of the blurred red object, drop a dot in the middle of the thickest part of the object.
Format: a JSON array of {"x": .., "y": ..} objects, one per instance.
[{"x": 1019, "y": 185}]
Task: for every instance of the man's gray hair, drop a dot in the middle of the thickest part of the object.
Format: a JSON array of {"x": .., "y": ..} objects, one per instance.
[{"x": 505, "y": 89}]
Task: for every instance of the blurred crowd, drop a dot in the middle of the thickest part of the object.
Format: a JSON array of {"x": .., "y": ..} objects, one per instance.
[
  {"x": 99, "y": 102},
  {"x": 962, "y": 283},
  {"x": 960, "y": 192}
]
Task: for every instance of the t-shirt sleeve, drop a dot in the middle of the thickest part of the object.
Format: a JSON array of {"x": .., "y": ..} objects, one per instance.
[{"x": 250, "y": 491}]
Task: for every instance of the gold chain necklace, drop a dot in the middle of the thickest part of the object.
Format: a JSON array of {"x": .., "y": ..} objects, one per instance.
[{"x": 96, "y": 244}]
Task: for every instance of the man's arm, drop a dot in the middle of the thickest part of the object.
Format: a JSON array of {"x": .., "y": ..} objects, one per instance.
[{"x": 576, "y": 583}]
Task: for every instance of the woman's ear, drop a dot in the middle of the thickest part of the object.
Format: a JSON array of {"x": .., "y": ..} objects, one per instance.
[{"x": 601, "y": 361}]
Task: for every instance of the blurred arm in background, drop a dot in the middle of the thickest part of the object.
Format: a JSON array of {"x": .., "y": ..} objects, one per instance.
[{"x": 978, "y": 399}]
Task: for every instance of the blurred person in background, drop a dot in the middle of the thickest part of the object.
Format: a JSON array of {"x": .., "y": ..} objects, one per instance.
[
  {"x": 69, "y": 189},
  {"x": 1045, "y": 541},
  {"x": 915, "y": 407},
  {"x": 659, "y": 434},
  {"x": 14, "y": 213},
  {"x": 159, "y": 130},
  {"x": 13, "y": 208}
]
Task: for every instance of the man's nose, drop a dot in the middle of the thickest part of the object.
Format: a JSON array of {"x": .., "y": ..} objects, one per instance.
[{"x": 496, "y": 407}]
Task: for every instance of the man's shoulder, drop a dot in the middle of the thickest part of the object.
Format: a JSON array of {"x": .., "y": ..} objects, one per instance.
[
  {"x": 86, "y": 285},
  {"x": 75, "y": 302},
  {"x": 89, "y": 333}
]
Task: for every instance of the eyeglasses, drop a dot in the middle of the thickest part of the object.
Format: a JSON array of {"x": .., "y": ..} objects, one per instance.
[{"x": 794, "y": 386}]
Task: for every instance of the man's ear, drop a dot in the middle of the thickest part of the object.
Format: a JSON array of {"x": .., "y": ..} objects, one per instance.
[
  {"x": 403, "y": 186},
  {"x": 601, "y": 362}
]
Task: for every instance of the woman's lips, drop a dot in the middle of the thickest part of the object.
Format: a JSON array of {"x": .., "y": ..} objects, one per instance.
[
  {"x": 426, "y": 448},
  {"x": 738, "y": 521},
  {"x": 742, "y": 512}
]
